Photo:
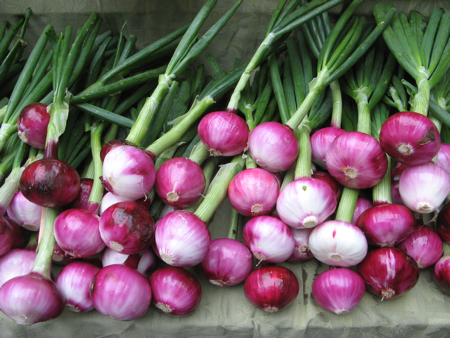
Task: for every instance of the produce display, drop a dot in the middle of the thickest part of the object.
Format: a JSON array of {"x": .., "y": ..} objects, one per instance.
[{"x": 330, "y": 144}]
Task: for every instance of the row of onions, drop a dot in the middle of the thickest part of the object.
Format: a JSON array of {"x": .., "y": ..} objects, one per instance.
[{"x": 116, "y": 160}]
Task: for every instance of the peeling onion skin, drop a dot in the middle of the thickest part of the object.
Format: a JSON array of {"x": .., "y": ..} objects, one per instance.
[
  {"x": 441, "y": 274},
  {"x": 227, "y": 263},
  {"x": 443, "y": 224},
  {"x": 32, "y": 124},
  {"x": 273, "y": 146},
  {"x": 356, "y": 160},
  {"x": 424, "y": 188},
  {"x": 120, "y": 292},
  {"x": 223, "y": 133},
  {"x": 387, "y": 224},
  {"x": 17, "y": 262},
  {"x": 74, "y": 281},
  {"x": 180, "y": 182},
  {"x": 271, "y": 288},
  {"x": 410, "y": 138},
  {"x": 338, "y": 290},
  {"x": 253, "y": 192},
  {"x": 175, "y": 291},
  {"x": 24, "y": 212},
  {"x": 320, "y": 142},
  {"x": 424, "y": 245},
  {"x": 31, "y": 298},
  {"x": 50, "y": 183},
  {"x": 389, "y": 272}
]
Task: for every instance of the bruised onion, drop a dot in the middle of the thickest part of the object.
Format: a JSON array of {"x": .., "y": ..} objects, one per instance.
[{"x": 32, "y": 124}]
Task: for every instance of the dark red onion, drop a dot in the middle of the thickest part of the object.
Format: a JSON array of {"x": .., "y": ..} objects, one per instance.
[
  {"x": 362, "y": 204},
  {"x": 227, "y": 263},
  {"x": 81, "y": 202},
  {"x": 77, "y": 232},
  {"x": 17, "y": 262},
  {"x": 253, "y": 192},
  {"x": 50, "y": 183},
  {"x": 389, "y": 272},
  {"x": 441, "y": 274},
  {"x": 301, "y": 249},
  {"x": 424, "y": 245},
  {"x": 74, "y": 281},
  {"x": 356, "y": 160},
  {"x": 6, "y": 236},
  {"x": 126, "y": 227},
  {"x": 443, "y": 223},
  {"x": 120, "y": 292},
  {"x": 338, "y": 290},
  {"x": 24, "y": 212},
  {"x": 110, "y": 199},
  {"x": 32, "y": 124},
  {"x": 180, "y": 182},
  {"x": 320, "y": 142},
  {"x": 410, "y": 138},
  {"x": 387, "y": 224},
  {"x": 273, "y": 146},
  {"x": 443, "y": 157},
  {"x": 271, "y": 288},
  {"x": 395, "y": 181},
  {"x": 18, "y": 235},
  {"x": 175, "y": 291},
  {"x": 223, "y": 133}
]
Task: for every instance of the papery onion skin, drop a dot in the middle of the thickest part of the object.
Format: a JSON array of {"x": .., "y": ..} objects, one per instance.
[
  {"x": 387, "y": 224},
  {"x": 253, "y": 192},
  {"x": 362, "y": 204},
  {"x": 126, "y": 227},
  {"x": 17, "y": 262},
  {"x": 182, "y": 239},
  {"x": 306, "y": 202},
  {"x": 301, "y": 249},
  {"x": 441, "y": 274},
  {"x": 128, "y": 172},
  {"x": 424, "y": 245},
  {"x": 175, "y": 291},
  {"x": 120, "y": 292},
  {"x": 424, "y": 188},
  {"x": 273, "y": 146},
  {"x": 180, "y": 182},
  {"x": 32, "y": 124},
  {"x": 410, "y": 138},
  {"x": 338, "y": 290},
  {"x": 389, "y": 272},
  {"x": 227, "y": 263},
  {"x": 30, "y": 299},
  {"x": 269, "y": 239},
  {"x": 77, "y": 232},
  {"x": 320, "y": 142},
  {"x": 443, "y": 224},
  {"x": 24, "y": 212},
  {"x": 223, "y": 133},
  {"x": 271, "y": 288},
  {"x": 50, "y": 183},
  {"x": 443, "y": 157},
  {"x": 73, "y": 282},
  {"x": 356, "y": 160},
  {"x": 338, "y": 243}
]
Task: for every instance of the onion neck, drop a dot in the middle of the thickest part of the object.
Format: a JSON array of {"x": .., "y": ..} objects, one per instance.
[
  {"x": 250, "y": 162},
  {"x": 59, "y": 112},
  {"x": 446, "y": 248},
  {"x": 362, "y": 100},
  {"x": 234, "y": 223},
  {"x": 199, "y": 153},
  {"x": 382, "y": 192},
  {"x": 422, "y": 97},
  {"x": 303, "y": 166},
  {"x": 96, "y": 195},
  {"x": 289, "y": 177},
  {"x": 347, "y": 205},
  {"x": 336, "y": 114}
]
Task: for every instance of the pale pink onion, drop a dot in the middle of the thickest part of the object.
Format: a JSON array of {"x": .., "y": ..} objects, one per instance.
[
  {"x": 24, "y": 212},
  {"x": 320, "y": 142}
]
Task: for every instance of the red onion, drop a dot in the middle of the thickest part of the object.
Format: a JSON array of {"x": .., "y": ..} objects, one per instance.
[
  {"x": 395, "y": 181},
  {"x": 175, "y": 291},
  {"x": 362, "y": 204},
  {"x": 18, "y": 235},
  {"x": 273, "y": 146},
  {"x": 326, "y": 177},
  {"x": 32, "y": 124},
  {"x": 180, "y": 182},
  {"x": 253, "y": 192},
  {"x": 410, "y": 138},
  {"x": 144, "y": 263},
  {"x": 50, "y": 183},
  {"x": 306, "y": 202},
  {"x": 338, "y": 290},
  {"x": 112, "y": 144},
  {"x": 17, "y": 262},
  {"x": 126, "y": 227},
  {"x": 424, "y": 245},
  {"x": 320, "y": 142},
  {"x": 423, "y": 188},
  {"x": 110, "y": 199},
  {"x": 6, "y": 236},
  {"x": 24, "y": 212},
  {"x": 223, "y": 133},
  {"x": 271, "y": 288},
  {"x": 30, "y": 299},
  {"x": 389, "y": 272},
  {"x": 356, "y": 160},
  {"x": 77, "y": 232},
  {"x": 443, "y": 223},
  {"x": 443, "y": 157},
  {"x": 227, "y": 263},
  {"x": 338, "y": 243},
  {"x": 441, "y": 274},
  {"x": 387, "y": 224},
  {"x": 60, "y": 257},
  {"x": 269, "y": 239},
  {"x": 182, "y": 239},
  {"x": 301, "y": 249},
  {"x": 128, "y": 172},
  {"x": 120, "y": 292},
  {"x": 81, "y": 202},
  {"x": 74, "y": 281}
]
